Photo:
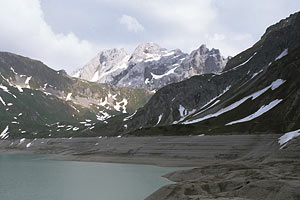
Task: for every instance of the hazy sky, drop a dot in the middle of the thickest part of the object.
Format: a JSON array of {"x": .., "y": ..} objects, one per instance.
[{"x": 66, "y": 34}]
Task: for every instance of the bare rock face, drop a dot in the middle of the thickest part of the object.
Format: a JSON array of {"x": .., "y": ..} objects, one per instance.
[
  {"x": 150, "y": 66},
  {"x": 104, "y": 66},
  {"x": 205, "y": 61}
]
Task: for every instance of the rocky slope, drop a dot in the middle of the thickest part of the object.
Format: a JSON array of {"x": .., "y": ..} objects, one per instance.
[
  {"x": 150, "y": 66},
  {"x": 36, "y": 101},
  {"x": 257, "y": 92}
]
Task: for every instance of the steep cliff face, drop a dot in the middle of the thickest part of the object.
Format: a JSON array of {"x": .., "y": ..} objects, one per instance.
[
  {"x": 150, "y": 66},
  {"x": 104, "y": 66}
]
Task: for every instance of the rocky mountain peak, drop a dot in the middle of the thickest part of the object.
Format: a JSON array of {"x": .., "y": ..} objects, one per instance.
[
  {"x": 112, "y": 56},
  {"x": 147, "y": 50},
  {"x": 202, "y": 49},
  {"x": 147, "y": 47},
  {"x": 150, "y": 66}
]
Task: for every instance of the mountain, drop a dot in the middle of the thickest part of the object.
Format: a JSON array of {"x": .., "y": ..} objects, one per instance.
[
  {"x": 258, "y": 92},
  {"x": 37, "y": 101},
  {"x": 150, "y": 66}
]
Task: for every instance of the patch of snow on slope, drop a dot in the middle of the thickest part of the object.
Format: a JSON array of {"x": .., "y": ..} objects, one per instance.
[
  {"x": 129, "y": 117},
  {"x": 147, "y": 81},
  {"x": 159, "y": 119},
  {"x": 276, "y": 84},
  {"x": 5, "y": 89},
  {"x": 223, "y": 110},
  {"x": 2, "y": 101},
  {"x": 77, "y": 74},
  {"x": 245, "y": 62},
  {"x": 284, "y": 53},
  {"x": 255, "y": 74},
  {"x": 169, "y": 54},
  {"x": 171, "y": 71},
  {"x": 153, "y": 58},
  {"x": 95, "y": 77},
  {"x": 110, "y": 96},
  {"x": 213, "y": 99},
  {"x": 4, "y": 133},
  {"x": 27, "y": 81},
  {"x": 19, "y": 88},
  {"x": 183, "y": 114},
  {"x": 253, "y": 96},
  {"x": 22, "y": 140},
  {"x": 182, "y": 111},
  {"x": 259, "y": 112},
  {"x": 45, "y": 85},
  {"x": 201, "y": 109},
  {"x": 28, "y": 145},
  {"x": 13, "y": 70},
  {"x": 287, "y": 137},
  {"x": 68, "y": 98},
  {"x": 122, "y": 104},
  {"x": 212, "y": 105},
  {"x": 47, "y": 93},
  {"x": 103, "y": 102},
  {"x": 103, "y": 116}
]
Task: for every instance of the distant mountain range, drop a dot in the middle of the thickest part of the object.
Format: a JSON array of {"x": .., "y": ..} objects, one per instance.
[
  {"x": 150, "y": 66},
  {"x": 257, "y": 91}
]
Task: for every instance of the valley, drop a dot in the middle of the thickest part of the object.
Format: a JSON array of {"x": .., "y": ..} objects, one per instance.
[{"x": 235, "y": 121}]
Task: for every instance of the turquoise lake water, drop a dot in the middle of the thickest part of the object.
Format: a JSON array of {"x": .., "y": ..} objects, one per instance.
[{"x": 25, "y": 177}]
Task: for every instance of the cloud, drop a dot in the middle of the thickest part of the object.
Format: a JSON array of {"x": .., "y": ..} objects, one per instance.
[
  {"x": 218, "y": 37},
  {"x": 67, "y": 35},
  {"x": 24, "y": 31},
  {"x": 131, "y": 23}
]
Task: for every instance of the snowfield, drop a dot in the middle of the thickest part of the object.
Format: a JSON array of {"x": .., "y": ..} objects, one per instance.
[
  {"x": 261, "y": 111},
  {"x": 253, "y": 96},
  {"x": 287, "y": 137}
]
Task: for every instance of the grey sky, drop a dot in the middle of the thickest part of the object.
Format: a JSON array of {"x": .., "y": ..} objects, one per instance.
[{"x": 68, "y": 33}]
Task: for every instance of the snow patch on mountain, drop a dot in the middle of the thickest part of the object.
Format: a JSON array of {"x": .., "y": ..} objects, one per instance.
[
  {"x": 274, "y": 85},
  {"x": 159, "y": 119},
  {"x": 244, "y": 62},
  {"x": 284, "y": 53},
  {"x": 284, "y": 139},
  {"x": 259, "y": 112},
  {"x": 103, "y": 116},
  {"x": 4, "y": 133},
  {"x": 121, "y": 105},
  {"x": 2, "y": 101},
  {"x": 149, "y": 66},
  {"x": 68, "y": 98},
  {"x": 27, "y": 81},
  {"x": 130, "y": 116},
  {"x": 171, "y": 71}
]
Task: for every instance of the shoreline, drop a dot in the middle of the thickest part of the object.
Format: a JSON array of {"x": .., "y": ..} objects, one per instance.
[
  {"x": 116, "y": 159},
  {"x": 231, "y": 167},
  {"x": 165, "y": 151}
]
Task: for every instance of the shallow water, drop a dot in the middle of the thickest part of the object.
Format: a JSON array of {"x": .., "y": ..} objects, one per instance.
[{"x": 28, "y": 178}]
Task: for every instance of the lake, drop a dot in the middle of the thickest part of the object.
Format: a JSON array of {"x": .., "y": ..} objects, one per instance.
[{"x": 28, "y": 178}]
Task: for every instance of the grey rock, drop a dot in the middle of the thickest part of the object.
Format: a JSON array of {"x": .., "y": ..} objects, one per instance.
[{"x": 150, "y": 66}]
